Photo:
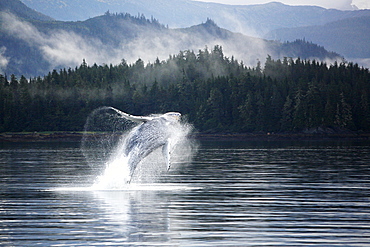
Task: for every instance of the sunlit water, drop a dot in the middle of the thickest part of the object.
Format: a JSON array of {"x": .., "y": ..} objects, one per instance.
[{"x": 230, "y": 194}]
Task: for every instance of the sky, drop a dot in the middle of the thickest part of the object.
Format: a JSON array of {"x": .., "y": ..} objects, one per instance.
[{"x": 334, "y": 4}]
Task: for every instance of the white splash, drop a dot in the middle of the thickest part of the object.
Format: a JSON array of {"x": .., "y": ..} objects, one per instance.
[
  {"x": 115, "y": 176},
  {"x": 150, "y": 170}
]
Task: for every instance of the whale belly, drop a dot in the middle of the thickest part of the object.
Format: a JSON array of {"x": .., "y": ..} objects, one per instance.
[{"x": 144, "y": 140}]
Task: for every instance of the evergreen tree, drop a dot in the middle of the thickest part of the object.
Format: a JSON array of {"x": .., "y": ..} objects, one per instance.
[{"x": 214, "y": 92}]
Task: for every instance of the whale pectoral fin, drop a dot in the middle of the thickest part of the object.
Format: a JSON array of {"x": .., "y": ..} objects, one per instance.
[
  {"x": 166, "y": 150},
  {"x": 132, "y": 161},
  {"x": 133, "y": 118}
]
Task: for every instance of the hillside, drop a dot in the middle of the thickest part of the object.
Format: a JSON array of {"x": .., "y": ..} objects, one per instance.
[
  {"x": 336, "y": 30},
  {"x": 237, "y": 84},
  {"x": 255, "y": 20},
  {"x": 349, "y": 36},
  {"x": 34, "y": 47},
  {"x": 22, "y": 11},
  {"x": 215, "y": 93}
]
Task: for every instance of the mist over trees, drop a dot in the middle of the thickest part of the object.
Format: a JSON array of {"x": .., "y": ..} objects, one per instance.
[
  {"x": 32, "y": 47},
  {"x": 216, "y": 93}
]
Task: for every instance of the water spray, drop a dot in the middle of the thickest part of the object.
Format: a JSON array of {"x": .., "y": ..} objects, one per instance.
[{"x": 143, "y": 147}]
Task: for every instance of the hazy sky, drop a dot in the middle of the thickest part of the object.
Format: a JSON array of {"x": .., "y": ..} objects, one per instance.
[{"x": 335, "y": 4}]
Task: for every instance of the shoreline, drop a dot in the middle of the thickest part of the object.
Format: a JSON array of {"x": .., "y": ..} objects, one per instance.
[{"x": 74, "y": 136}]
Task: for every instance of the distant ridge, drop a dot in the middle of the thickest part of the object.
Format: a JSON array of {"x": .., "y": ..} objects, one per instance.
[
  {"x": 274, "y": 20},
  {"x": 254, "y": 20},
  {"x": 350, "y": 37},
  {"x": 34, "y": 48},
  {"x": 21, "y": 10}
]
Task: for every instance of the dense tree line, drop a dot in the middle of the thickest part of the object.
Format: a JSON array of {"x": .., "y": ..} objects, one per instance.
[{"x": 214, "y": 92}]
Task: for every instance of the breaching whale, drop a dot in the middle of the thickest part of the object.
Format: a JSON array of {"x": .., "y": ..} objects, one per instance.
[{"x": 152, "y": 133}]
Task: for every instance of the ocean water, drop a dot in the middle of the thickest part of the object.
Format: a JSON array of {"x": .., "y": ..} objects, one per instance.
[{"x": 252, "y": 193}]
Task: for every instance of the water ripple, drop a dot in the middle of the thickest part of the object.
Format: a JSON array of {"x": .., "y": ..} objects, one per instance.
[{"x": 231, "y": 194}]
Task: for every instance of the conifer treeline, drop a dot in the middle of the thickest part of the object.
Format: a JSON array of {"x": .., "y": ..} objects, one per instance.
[{"x": 215, "y": 92}]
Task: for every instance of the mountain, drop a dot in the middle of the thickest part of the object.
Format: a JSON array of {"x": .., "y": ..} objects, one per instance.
[
  {"x": 32, "y": 47},
  {"x": 349, "y": 36},
  {"x": 254, "y": 20},
  {"x": 21, "y": 10},
  {"x": 35, "y": 48},
  {"x": 345, "y": 32}
]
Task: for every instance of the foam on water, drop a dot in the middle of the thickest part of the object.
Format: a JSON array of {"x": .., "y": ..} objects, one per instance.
[{"x": 115, "y": 176}]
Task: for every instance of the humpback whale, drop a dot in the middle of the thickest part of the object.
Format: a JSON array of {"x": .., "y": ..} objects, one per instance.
[{"x": 152, "y": 133}]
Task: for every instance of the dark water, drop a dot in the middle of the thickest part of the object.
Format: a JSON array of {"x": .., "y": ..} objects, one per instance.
[{"x": 231, "y": 194}]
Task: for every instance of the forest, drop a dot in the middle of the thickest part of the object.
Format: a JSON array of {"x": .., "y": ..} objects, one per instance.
[{"x": 214, "y": 92}]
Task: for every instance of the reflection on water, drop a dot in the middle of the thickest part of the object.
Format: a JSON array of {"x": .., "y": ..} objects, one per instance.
[
  {"x": 136, "y": 217},
  {"x": 231, "y": 194}
]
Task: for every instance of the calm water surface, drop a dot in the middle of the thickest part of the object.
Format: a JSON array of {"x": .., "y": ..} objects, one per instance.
[{"x": 231, "y": 194}]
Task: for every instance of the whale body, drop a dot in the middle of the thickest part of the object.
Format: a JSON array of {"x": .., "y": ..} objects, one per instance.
[{"x": 152, "y": 133}]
